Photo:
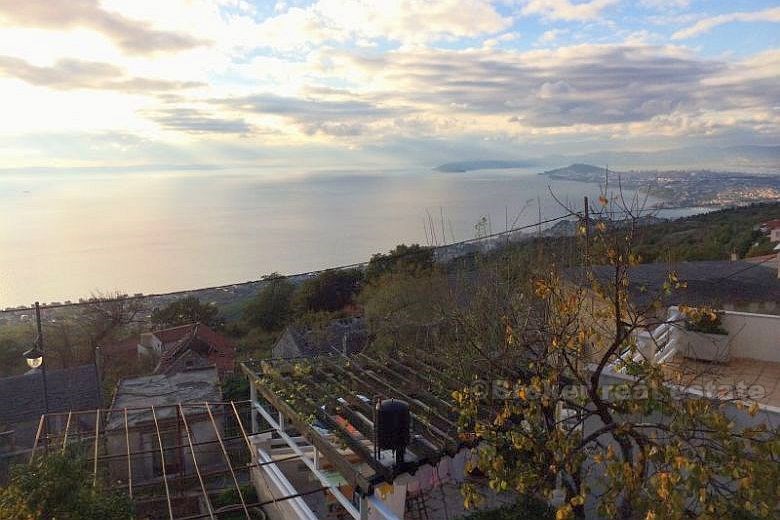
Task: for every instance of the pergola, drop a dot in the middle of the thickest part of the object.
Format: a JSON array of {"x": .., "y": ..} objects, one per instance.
[
  {"x": 330, "y": 401},
  {"x": 320, "y": 409},
  {"x": 217, "y": 460}
]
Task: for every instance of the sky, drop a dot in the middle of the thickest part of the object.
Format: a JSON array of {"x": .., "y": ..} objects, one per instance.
[{"x": 134, "y": 84}]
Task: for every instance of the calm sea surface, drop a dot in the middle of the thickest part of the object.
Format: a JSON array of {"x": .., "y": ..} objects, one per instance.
[{"x": 67, "y": 236}]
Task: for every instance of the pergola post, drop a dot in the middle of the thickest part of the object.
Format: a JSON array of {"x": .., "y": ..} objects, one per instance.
[{"x": 253, "y": 400}]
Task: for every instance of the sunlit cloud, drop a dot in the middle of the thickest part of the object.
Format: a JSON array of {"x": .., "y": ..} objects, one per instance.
[
  {"x": 70, "y": 74},
  {"x": 231, "y": 80},
  {"x": 707, "y": 24},
  {"x": 131, "y": 35},
  {"x": 567, "y": 10}
]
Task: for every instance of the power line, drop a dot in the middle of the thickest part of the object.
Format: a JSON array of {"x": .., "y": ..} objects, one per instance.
[{"x": 354, "y": 265}]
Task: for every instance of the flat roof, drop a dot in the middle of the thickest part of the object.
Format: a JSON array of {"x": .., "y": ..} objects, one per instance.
[{"x": 198, "y": 385}]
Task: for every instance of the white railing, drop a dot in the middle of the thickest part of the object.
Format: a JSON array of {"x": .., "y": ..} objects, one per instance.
[{"x": 656, "y": 346}]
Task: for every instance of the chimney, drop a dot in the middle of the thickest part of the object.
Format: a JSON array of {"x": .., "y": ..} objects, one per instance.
[{"x": 734, "y": 256}]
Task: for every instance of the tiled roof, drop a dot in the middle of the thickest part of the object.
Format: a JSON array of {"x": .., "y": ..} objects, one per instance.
[
  {"x": 772, "y": 224},
  {"x": 21, "y": 397},
  {"x": 201, "y": 339},
  {"x": 174, "y": 334}
]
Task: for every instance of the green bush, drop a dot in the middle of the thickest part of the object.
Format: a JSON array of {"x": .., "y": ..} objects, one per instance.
[
  {"x": 527, "y": 508},
  {"x": 60, "y": 487}
]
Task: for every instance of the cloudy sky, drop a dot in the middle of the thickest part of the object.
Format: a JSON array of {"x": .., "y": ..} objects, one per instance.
[{"x": 143, "y": 83}]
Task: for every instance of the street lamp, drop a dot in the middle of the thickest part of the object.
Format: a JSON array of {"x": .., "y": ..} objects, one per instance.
[{"x": 34, "y": 356}]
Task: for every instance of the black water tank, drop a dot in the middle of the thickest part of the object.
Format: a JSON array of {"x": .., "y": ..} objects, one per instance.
[{"x": 393, "y": 424}]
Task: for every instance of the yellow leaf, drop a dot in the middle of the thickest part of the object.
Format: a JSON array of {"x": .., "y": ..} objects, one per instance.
[{"x": 563, "y": 512}]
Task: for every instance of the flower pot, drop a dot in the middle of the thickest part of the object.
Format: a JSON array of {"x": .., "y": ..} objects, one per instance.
[{"x": 705, "y": 347}]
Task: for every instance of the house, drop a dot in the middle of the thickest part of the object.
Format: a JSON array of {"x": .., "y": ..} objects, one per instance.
[
  {"x": 22, "y": 403},
  {"x": 146, "y": 412},
  {"x": 348, "y": 336},
  {"x": 169, "y": 443},
  {"x": 199, "y": 346},
  {"x": 771, "y": 228},
  {"x": 178, "y": 348}
]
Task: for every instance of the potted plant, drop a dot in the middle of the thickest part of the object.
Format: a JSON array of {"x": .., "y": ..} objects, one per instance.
[{"x": 703, "y": 335}]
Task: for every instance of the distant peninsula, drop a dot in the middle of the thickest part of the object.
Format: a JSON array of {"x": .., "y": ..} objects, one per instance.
[
  {"x": 580, "y": 172},
  {"x": 465, "y": 166}
]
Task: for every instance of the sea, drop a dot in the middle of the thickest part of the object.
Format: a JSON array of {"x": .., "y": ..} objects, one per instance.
[{"x": 65, "y": 236}]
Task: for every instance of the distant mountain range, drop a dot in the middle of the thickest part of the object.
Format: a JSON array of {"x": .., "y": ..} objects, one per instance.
[{"x": 465, "y": 166}]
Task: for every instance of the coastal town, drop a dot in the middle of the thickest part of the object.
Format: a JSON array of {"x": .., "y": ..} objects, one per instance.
[{"x": 681, "y": 188}]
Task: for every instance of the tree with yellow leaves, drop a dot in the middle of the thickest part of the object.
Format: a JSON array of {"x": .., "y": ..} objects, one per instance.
[{"x": 569, "y": 406}]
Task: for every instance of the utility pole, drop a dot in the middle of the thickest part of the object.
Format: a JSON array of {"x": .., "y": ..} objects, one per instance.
[
  {"x": 587, "y": 236},
  {"x": 39, "y": 341}
]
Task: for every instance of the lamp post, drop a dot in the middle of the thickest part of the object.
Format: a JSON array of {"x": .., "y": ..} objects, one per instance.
[{"x": 34, "y": 356}]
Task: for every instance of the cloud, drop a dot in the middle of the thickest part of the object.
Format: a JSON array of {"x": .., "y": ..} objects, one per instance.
[
  {"x": 664, "y": 5},
  {"x": 639, "y": 89},
  {"x": 566, "y": 10},
  {"x": 342, "y": 117},
  {"x": 132, "y": 36},
  {"x": 71, "y": 74},
  {"x": 406, "y": 21},
  {"x": 551, "y": 35},
  {"x": 197, "y": 122},
  {"x": 707, "y": 24}
]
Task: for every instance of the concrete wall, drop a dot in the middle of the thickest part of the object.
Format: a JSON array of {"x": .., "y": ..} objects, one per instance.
[
  {"x": 144, "y": 448},
  {"x": 755, "y": 336}
]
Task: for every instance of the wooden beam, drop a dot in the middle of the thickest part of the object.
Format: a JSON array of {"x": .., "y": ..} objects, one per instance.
[
  {"x": 356, "y": 479},
  {"x": 65, "y": 435},
  {"x": 342, "y": 433},
  {"x": 227, "y": 461},
  {"x": 368, "y": 410},
  {"x": 195, "y": 463},
  {"x": 397, "y": 393},
  {"x": 162, "y": 463},
  {"x": 433, "y": 400},
  {"x": 97, "y": 446},
  {"x": 37, "y": 437},
  {"x": 445, "y": 437},
  {"x": 129, "y": 463},
  {"x": 251, "y": 453}
]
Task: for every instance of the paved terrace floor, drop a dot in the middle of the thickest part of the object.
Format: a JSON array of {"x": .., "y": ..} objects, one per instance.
[{"x": 763, "y": 376}]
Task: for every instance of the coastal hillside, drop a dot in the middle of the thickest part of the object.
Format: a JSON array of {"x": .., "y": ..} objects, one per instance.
[{"x": 465, "y": 166}]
